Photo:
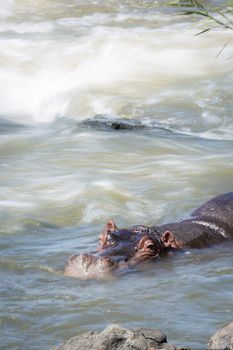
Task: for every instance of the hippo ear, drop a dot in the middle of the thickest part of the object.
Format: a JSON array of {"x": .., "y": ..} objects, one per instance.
[
  {"x": 168, "y": 239},
  {"x": 110, "y": 226}
]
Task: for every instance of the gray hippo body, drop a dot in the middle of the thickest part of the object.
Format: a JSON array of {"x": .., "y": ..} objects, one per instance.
[{"x": 212, "y": 223}]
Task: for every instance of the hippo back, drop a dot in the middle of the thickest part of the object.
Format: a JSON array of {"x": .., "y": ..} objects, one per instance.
[{"x": 219, "y": 208}]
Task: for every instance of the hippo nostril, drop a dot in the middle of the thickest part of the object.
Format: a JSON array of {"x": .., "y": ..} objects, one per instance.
[
  {"x": 84, "y": 257},
  {"x": 87, "y": 260},
  {"x": 72, "y": 258}
]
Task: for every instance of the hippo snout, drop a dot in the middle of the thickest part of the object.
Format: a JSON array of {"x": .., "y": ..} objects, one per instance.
[{"x": 87, "y": 266}]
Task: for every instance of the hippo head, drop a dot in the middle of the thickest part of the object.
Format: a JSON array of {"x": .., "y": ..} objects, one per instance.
[
  {"x": 132, "y": 245},
  {"x": 118, "y": 249}
]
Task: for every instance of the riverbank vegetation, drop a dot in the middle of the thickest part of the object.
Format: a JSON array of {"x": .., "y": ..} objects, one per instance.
[{"x": 216, "y": 16}]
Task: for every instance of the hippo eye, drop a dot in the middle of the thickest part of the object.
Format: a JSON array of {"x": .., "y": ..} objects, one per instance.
[
  {"x": 150, "y": 245},
  {"x": 111, "y": 242}
]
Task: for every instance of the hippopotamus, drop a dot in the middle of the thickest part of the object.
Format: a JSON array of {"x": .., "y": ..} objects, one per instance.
[{"x": 118, "y": 249}]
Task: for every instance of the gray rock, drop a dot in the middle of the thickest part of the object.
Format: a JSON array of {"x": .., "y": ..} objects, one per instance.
[
  {"x": 116, "y": 337},
  {"x": 222, "y": 339}
]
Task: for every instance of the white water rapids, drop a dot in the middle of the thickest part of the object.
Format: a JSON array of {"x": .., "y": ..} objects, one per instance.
[{"x": 117, "y": 64}]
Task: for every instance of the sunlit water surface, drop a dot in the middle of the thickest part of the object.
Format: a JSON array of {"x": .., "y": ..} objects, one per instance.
[{"x": 69, "y": 70}]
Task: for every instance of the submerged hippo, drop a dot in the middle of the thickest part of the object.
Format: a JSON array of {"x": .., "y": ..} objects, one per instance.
[{"x": 212, "y": 223}]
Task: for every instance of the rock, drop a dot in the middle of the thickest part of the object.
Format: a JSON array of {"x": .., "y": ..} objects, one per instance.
[
  {"x": 222, "y": 339},
  {"x": 103, "y": 122},
  {"x": 115, "y": 337}
]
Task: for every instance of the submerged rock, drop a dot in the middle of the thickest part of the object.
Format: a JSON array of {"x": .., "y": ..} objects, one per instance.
[
  {"x": 115, "y": 337},
  {"x": 108, "y": 123},
  {"x": 105, "y": 123},
  {"x": 222, "y": 339}
]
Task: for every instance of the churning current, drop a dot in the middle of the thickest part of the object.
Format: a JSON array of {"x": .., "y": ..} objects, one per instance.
[{"x": 109, "y": 110}]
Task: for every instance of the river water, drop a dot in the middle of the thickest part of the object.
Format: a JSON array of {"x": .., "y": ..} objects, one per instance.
[{"x": 109, "y": 109}]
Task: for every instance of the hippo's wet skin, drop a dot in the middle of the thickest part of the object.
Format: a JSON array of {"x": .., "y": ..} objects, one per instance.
[{"x": 212, "y": 223}]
